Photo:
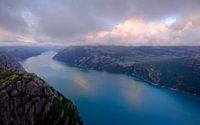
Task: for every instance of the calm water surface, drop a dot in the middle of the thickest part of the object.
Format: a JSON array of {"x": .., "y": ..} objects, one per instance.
[{"x": 112, "y": 99}]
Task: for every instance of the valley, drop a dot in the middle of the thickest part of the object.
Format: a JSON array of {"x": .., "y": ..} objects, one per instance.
[
  {"x": 172, "y": 67},
  {"x": 111, "y": 98}
]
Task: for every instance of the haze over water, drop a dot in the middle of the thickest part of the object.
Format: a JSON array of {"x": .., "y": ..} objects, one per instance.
[{"x": 107, "y": 99}]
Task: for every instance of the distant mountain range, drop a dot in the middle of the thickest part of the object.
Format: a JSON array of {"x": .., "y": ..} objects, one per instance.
[
  {"x": 176, "y": 67},
  {"x": 23, "y": 52},
  {"x": 26, "y": 99},
  {"x": 7, "y": 62}
]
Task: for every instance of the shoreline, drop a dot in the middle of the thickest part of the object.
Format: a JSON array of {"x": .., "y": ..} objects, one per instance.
[{"x": 133, "y": 76}]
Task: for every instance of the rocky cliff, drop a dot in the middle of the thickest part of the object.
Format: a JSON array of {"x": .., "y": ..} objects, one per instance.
[
  {"x": 26, "y": 99},
  {"x": 173, "y": 67}
]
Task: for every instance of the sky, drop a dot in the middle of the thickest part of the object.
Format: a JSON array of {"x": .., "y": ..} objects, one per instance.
[{"x": 100, "y": 22}]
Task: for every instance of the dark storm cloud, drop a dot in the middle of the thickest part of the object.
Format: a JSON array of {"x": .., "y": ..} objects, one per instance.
[{"x": 66, "y": 20}]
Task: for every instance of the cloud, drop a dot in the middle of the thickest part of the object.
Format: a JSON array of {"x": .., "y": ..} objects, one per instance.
[
  {"x": 139, "y": 32},
  {"x": 5, "y": 36},
  {"x": 76, "y": 22},
  {"x": 10, "y": 18}
]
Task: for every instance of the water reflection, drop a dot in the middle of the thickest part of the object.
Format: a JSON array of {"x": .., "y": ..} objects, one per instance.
[
  {"x": 82, "y": 82},
  {"x": 105, "y": 98},
  {"x": 133, "y": 93}
]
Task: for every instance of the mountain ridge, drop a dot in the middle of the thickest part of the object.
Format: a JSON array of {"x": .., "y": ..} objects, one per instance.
[
  {"x": 7, "y": 62},
  {"x": 138, "y": 61}
]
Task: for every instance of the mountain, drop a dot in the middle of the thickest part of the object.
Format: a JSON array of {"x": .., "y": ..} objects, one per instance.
[
  {"x": 172, "y": 67},
  {"x": 180, "y": 74},
  {"x": 26, "y": 99},
  {"x": 23, "y": 52},
  {"x": 7, "y": 62}
]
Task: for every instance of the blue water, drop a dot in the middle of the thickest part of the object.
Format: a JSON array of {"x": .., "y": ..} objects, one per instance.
[{"x": 112, "y": 99}]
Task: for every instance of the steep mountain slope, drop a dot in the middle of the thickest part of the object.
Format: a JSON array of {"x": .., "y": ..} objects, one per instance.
[
  {"x": 26, "y": 99},
  {"x": 123, "y": 55},
  {"x": 173, "y": 67},
  {"x": 7, "y": 62},
  {"x": 181, "y": 74}
]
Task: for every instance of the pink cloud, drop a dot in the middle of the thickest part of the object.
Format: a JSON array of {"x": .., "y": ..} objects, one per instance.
[{"x": 138, "y": 32}]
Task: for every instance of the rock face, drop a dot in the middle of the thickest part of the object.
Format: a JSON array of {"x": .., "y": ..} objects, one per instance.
[
  {"x": 7, "y": 62},
  {"x": 25, "y": 99},
  {"x": 172, "y": 67}
]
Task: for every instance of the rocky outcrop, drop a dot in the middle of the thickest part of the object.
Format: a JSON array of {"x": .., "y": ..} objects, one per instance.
[
  {"x": 25, "y": 99},
  {"x": 7, "y": 62},
  {"x": 172, "y": 67}
]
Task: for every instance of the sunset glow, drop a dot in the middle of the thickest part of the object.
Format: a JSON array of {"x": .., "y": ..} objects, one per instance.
[{"x": 107, "y": 22}]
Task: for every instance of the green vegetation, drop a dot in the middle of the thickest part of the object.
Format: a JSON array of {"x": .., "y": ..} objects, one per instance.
[
  {"x": 181, "y": 73},
  {"x": 62, "y": 112},
  {"x": 8, "y": 78}
]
